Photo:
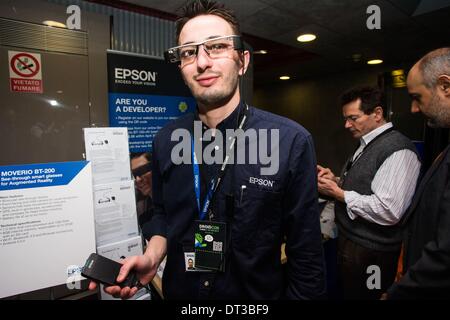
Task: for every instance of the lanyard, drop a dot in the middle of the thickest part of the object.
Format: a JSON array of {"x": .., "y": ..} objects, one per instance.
[
  {"x": 215, "y": 182},
  {"x": 204, "y": 210}
]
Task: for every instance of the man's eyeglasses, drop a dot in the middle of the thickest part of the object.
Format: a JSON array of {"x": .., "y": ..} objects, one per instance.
[
  {"x": 140, "y": 171},
  {"x": 352, "y": 118},
  {"x": 215, "y": 48}
]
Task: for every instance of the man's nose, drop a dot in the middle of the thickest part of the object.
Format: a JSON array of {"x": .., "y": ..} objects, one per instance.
[
  {"x": 347, "y": 124},
  {"x": 415, "y": 107},
  {"x": 203, "y": 59}
]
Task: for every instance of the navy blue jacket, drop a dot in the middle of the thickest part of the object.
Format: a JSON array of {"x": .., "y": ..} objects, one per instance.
[{"x": 260, "y": 219}]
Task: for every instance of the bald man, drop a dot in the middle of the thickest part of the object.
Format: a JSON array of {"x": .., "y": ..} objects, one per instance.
[{"x": 427, "y": 246}]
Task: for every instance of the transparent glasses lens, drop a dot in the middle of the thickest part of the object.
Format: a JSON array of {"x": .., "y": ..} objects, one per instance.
[{"x": 215, "y": 48}]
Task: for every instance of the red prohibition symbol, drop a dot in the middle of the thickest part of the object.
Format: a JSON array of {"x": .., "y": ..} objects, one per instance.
[{"x": 25, "y": 67}]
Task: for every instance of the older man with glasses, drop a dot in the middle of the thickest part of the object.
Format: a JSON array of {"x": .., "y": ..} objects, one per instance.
[{"x": 373, "y": 192}]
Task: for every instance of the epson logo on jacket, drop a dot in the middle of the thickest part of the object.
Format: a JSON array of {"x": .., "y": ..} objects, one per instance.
[{"x": 261, "y": 182}]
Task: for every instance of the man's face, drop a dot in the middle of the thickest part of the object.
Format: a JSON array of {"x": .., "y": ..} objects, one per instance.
[
  {"x": 427, "y": 101},
  {"x": 213, "y": 82},
  {"x": 144, "y": 182},
  {"x": 356, "y": 121}
]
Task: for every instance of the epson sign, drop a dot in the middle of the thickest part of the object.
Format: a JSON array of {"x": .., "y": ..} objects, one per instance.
[{"x": 135, "y": 75}]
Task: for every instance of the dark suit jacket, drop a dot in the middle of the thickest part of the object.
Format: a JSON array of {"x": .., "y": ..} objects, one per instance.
[{"x": 427, "y": 245}]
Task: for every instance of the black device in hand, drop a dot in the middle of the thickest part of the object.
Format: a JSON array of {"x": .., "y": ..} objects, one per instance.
[{"x": 105, "y": 271}]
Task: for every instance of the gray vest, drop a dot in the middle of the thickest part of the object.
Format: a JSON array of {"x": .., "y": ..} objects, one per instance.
[{"x": 359, "y": 179}]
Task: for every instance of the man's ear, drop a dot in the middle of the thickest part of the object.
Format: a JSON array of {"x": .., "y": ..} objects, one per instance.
[
  {"x": 244, "y": 60},
  {"x": 378, "y": 113},
  {"x": 443, "y": 84}
]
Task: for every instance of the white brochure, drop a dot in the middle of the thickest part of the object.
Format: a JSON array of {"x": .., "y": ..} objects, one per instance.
[
  {"x": 115, "y": 212},
  {"x": 107, "y": 149}
]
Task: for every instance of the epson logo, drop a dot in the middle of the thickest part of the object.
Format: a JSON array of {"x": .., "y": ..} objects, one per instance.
[
  {"x": 73, "y": 269},
  {"x": 261, "y": 182},
  {"x": 136, "y": 75}
]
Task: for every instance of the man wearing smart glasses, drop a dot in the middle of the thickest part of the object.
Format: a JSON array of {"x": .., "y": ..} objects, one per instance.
[
  {"x": 230, "y": 218},
  {"x": 141, "y": 168}
]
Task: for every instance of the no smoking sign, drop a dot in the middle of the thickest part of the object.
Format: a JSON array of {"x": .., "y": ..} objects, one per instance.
[{"x": 25, "y": 72}]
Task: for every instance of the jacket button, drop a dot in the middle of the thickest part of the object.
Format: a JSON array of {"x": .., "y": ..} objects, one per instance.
[{"x": 206, "y": 283}]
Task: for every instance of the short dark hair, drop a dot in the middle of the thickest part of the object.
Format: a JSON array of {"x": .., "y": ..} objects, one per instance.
[
  {"x": 203, "y": 7},
  {"x": 147, "y": 155},
  {"x": 371, "y": 97}
]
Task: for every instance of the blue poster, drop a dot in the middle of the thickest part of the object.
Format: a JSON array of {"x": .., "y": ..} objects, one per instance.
[
  {"x": 144, "y": 95},
  {"x": 144, "y": 115}
]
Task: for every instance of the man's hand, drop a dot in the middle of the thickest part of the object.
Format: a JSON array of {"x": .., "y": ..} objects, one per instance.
[
  {"x": 145, "y": 267},
  {"x": 330, "y": 188},
  {"x": 325, "y": 173},
  {"x": 142, "y": 265}
]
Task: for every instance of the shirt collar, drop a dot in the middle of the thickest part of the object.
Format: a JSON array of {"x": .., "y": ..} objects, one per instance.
[
  {"x": 230, "y": 122},
  {"x": 365, "y": 140}
]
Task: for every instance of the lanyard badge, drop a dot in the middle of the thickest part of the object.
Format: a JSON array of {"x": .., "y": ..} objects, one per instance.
[
  {"x": 209, "y": 246},
  {"x": 210, "y": 236}
]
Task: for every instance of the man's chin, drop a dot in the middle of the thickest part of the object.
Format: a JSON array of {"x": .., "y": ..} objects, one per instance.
[
  {"x": 213, "y": 100},
  {"x": 144, "y": 191}
]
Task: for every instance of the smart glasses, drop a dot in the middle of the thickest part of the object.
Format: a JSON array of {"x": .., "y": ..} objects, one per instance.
[
  {"x": 140, "y": 171},
  {"x": 215, "y": 48}
]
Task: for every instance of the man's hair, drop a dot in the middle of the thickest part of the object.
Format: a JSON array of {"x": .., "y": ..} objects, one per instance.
[
  {"x": 203, "y": 7},
  {"x": 147, "y": 155},
  {"x": 371, "y": 97},
  {"x": 434, "y": 64}
]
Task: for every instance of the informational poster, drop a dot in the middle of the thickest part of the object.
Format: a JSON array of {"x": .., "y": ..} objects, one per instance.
[
  {"x": 47, "y": 224},
  {"x": 144, "y": 94},
  {"x": 107, "y": 148},
  {"x": 25, "y": 72},
  {"x": 115, "y": 212}
]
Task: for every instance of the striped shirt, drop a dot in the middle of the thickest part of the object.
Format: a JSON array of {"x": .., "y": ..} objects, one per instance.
[{"x": 393, "y": 186}]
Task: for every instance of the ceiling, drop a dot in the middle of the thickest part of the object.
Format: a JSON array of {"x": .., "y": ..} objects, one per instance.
[{"x": 409, "y": 28}]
